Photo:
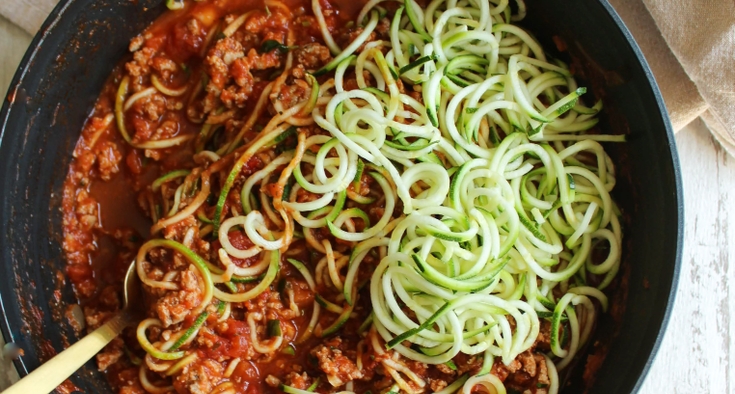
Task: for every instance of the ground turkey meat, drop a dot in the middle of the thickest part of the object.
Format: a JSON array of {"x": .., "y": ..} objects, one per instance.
[
  {"x": 150, "y": 107},
  {"x": 110, "y": 354},
  {"x": 543, "y": 341},
  {"x": 139, "y": 65},
  {"x": 200, "y": 377},
  {"x": 338, "y": 368},
  {"x": 299, "y": 381},
  {"x": 313, "y": 56},
  {"x": 220, "y": 57},
  {"x": 108, "y": 159},
  {"x": 175, "y": 306},
  {"x": 228, "y": 61},
  {"x": 241, "y": 73},
  {"x": 165, "y": 66},
  {"x": 527, "y": 373}
]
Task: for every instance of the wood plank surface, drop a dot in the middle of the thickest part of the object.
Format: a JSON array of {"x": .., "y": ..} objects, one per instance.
[
  {"x": 695, "y": 356},
  {"x": 697, "y": 351}
]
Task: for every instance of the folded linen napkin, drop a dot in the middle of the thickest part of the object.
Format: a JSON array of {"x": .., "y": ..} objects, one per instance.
[
  {"x": 690, "y": 46},
  {"x": 701, "y": 34}
]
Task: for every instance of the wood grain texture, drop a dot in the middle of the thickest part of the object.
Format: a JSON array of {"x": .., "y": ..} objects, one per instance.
[
  {"x": 697, "y": 351},
  {"x": 695, "y": 356}
]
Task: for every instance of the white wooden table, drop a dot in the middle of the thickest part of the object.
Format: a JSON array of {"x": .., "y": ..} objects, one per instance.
[{"x": 696, "y": 353}]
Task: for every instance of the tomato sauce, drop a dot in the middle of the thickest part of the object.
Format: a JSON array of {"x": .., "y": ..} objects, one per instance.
[
  {"x": 208, "y": 88},
  {"x": 106, "y": 212}
]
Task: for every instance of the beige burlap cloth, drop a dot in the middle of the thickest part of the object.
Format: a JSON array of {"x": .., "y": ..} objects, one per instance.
[{"x": 689, "y": 44}]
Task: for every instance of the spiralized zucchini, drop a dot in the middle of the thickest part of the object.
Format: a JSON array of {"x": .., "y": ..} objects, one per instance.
[
  {"x": 495, "y": 232},
  {"x": 493, "y": 198}
]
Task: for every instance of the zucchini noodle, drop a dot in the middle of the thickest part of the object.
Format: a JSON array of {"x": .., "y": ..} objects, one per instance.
[
  {"x": 459, "y": 159},
  {"x": 121, "y": 106}
]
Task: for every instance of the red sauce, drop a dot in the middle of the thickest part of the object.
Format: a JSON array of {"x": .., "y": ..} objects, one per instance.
[
  {"x": 106, "y": 217},
  {"x": 109, "y": 202}
]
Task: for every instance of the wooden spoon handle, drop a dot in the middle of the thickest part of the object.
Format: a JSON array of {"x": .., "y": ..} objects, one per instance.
[{"x": 48, "y": 376}]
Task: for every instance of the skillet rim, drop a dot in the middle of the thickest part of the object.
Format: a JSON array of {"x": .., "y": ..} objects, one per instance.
[
  {"x": 60, "y": 11},
  {"x": 9, "y": 104},
  {"x": 678, "y": 186}
]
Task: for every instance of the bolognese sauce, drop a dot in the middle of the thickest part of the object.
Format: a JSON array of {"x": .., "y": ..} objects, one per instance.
[{"x": 342, "y": 196}]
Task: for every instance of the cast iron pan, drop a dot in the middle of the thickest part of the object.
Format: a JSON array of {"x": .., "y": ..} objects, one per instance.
[{"x": 63, "y": 71}]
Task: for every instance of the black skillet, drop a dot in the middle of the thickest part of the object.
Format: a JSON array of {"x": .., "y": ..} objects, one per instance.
[{"x": 66, "y": 65}]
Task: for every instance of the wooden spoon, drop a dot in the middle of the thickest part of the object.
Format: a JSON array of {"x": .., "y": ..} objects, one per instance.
[{"x": 48, "y": 376}]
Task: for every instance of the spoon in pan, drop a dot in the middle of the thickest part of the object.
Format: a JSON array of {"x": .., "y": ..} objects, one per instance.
[{"x": 48, "y": 376}]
